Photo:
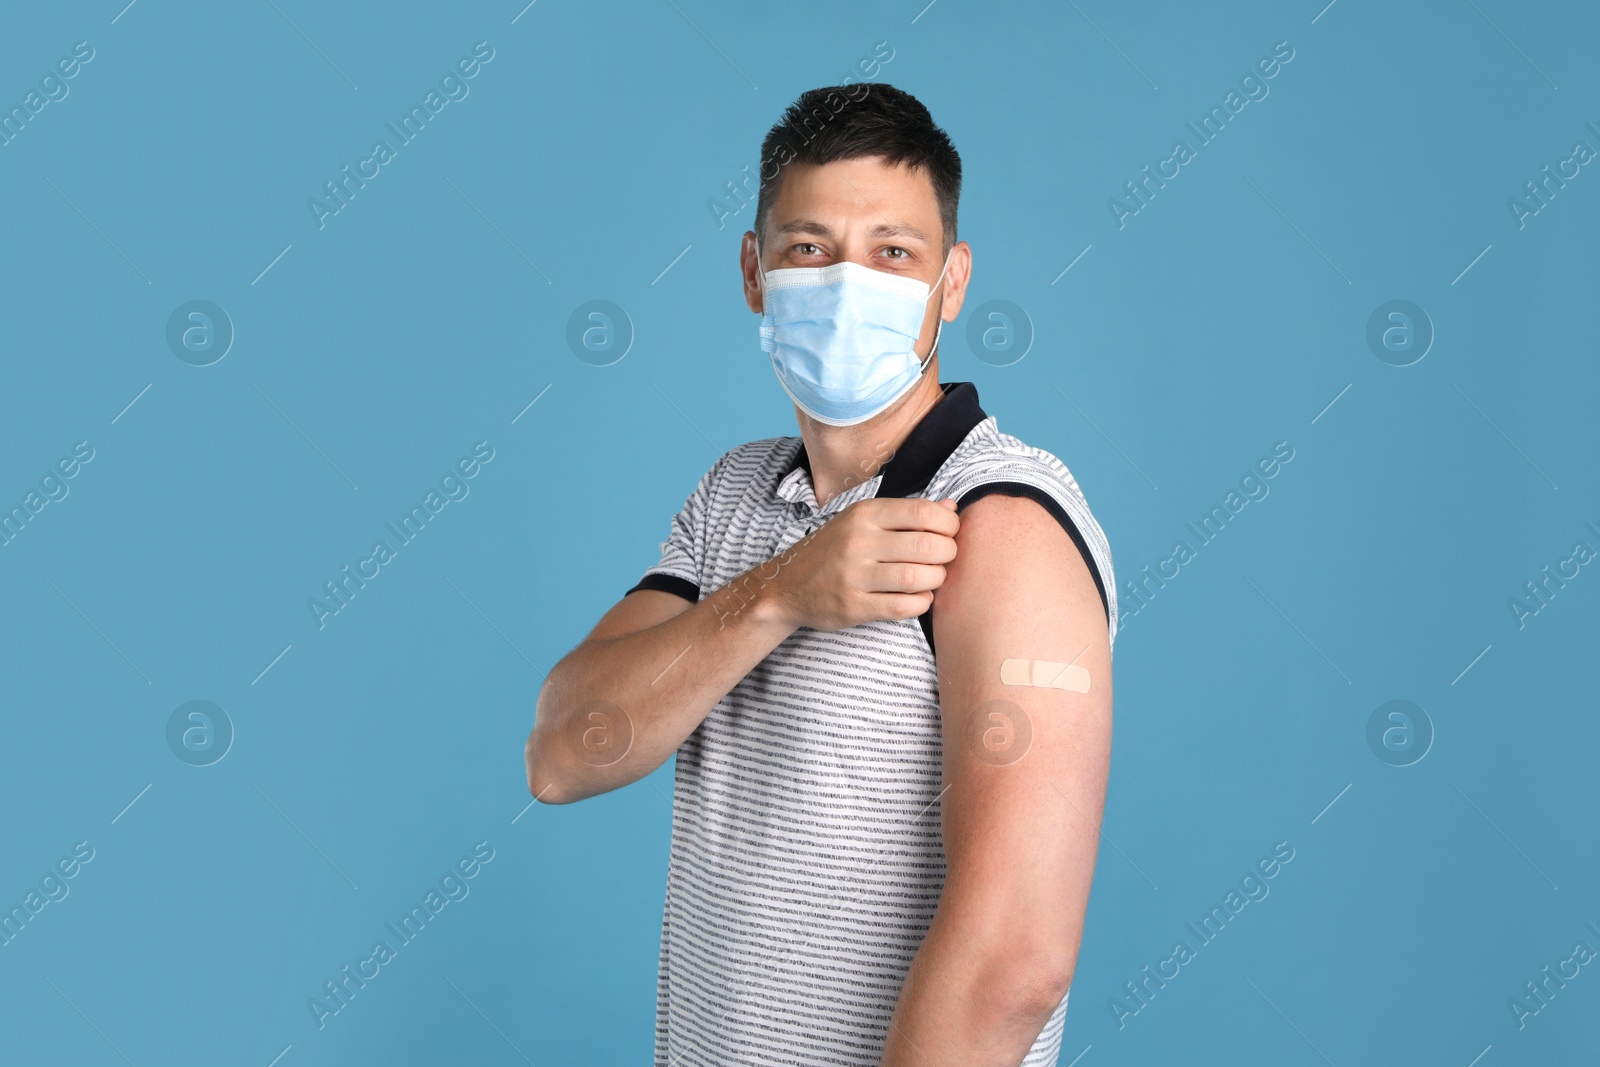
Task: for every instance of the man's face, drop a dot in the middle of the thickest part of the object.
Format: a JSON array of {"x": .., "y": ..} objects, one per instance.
[{"x": 864, "y": 211}]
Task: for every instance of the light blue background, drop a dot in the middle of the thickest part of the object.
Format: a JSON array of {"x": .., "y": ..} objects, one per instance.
[{"x": 428, "y": 314}]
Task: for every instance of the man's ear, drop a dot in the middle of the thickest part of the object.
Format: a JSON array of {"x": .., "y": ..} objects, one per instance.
[
  {"x": 956, "y": 278},
  {"x": 750, "y": 272}
]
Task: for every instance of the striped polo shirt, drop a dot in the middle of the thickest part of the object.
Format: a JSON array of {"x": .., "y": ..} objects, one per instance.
[{"x": 806, "y": 859}]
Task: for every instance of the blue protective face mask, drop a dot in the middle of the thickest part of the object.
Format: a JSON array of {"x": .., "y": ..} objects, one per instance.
[{"x": 843, "y": 337}]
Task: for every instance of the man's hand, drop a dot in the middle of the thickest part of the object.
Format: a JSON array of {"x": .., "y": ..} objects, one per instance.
[{"x": 877, "y": 559}]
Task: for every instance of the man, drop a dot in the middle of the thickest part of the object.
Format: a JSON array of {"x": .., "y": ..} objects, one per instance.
[{"x": 877, "y": 856}]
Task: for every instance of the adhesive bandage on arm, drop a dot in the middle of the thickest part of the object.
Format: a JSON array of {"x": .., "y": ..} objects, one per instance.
[{"x": 1045, "y": 674}]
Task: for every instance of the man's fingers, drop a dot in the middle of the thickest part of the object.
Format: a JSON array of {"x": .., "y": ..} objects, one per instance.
[
  {"x": 901, "y": 578},
  {"x": 916, "y": 546},
  {"x": 914, "y": 513},
  {"x": 903, "y": 605}
]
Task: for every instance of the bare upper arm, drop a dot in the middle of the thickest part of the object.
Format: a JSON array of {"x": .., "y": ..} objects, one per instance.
[
  {"x": 638, "y": 610},
  {"x": 1025, "y": 766}
]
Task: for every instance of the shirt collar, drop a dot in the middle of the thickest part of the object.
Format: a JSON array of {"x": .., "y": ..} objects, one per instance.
[{"x": 914, "y": 463}]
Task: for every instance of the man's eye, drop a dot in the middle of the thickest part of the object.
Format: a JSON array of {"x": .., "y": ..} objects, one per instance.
[
  {"x": 903, "y": 253},
  {"x": 806, "y": 248}
]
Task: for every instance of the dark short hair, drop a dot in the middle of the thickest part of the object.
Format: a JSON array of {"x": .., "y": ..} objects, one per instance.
[{"x": 865, "y": 119}]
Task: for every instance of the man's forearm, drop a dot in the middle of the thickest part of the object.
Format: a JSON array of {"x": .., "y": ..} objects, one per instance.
[
  {"x": 963, "y": 1005},
  {"x": 644, "y": 692}
]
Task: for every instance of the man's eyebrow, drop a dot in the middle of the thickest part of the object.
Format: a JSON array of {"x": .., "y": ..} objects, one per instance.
[{"x": 883, "y": 229}]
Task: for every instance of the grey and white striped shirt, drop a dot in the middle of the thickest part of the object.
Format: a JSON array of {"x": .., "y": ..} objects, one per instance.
[{"x": 806, "y": 859}]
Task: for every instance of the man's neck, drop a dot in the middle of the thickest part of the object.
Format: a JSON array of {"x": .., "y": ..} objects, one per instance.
[{"x": 842, "y": 457}]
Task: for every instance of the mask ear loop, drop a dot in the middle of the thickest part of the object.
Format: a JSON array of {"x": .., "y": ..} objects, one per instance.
[
  {"x": 761, "y": 275},
  {"x": 939, "y": 326}
]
